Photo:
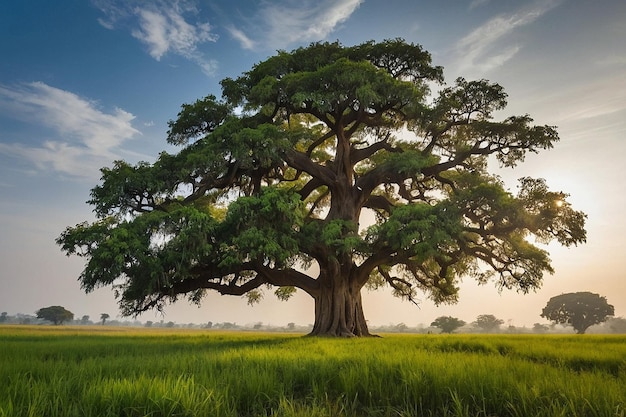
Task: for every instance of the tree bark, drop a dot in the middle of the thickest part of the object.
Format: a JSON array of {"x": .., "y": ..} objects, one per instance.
[{"x": 339, "y": 310}]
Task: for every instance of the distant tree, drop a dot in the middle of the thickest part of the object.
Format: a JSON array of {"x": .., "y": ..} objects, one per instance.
[
  {"x": 170, "y": 324},
  {"x": 540, "y": 328},
  {"x": 488, "y": 322},
  {"x": 209, "y": 325},
  {"x": 400, "y": 327},
  {"x": 578, "y": 309},
  {"x": 24, "y": 318},
  {"x": 447, "y": 324},
  {"x": 512, "y": 329},
  {"x": 277, "y": 175},
  {"x": 291, "y": 326},
  {"x": 104, "y": 317},
  {"x": 55, "y": 314},
  {"x": 616, "y": 324},
  {"x": 3, "y": 317},
  {"x": 84, "y": 320},
  {"x": 149, "y": 323}
]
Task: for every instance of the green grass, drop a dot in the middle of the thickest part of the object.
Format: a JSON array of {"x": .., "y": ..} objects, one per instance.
[{"x": 70, "y": 371}]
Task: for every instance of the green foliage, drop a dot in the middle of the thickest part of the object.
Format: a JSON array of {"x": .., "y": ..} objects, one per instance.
[
  {"x": 161, "y": 249},
  {"x": 337, "y": 86},
  {"x": 153, "y": 247},
  {"x": 284, "y": 293},
  {"x": 420, "y": 230},
  {"x": 580, "y": 310},
  {"x": 208, "y": 110},
  {"x": 262, "y": 228},
  {"x": 341, "y": 236},
  {"x": 65, "y": 372},
  {"x": 410, "y": 162}
]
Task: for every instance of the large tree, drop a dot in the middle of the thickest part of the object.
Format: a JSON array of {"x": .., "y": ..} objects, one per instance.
[
  {"x": 55, "y": 314},
  {"x": 580, "y": 310},
  {"x": 328, "y": 169}
]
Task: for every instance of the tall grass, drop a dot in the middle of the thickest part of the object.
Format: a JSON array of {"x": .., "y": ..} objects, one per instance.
[{"x": 46, "y": 371}]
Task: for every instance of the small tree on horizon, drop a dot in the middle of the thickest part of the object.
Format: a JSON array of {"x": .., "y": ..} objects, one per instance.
[
  {"x": 580, "y": 310},
  {"x": 56, "y": 314},
  {"x": 616, "y": 324},
  {"x": 328, "y": 169},
  {"x": 488, "y": 322},
  {"x": 104, "y": 317},
  {"x": 447, "y": 324}
]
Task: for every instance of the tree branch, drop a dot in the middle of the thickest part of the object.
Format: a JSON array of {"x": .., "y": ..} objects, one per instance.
[
  {"x": 378, "y": 202},
  {"x": 360, "y": 154},
  {"x": 319, "y": 141},
  {"x": 302, "y": 162},
  {"x": 212, "y": 279}
]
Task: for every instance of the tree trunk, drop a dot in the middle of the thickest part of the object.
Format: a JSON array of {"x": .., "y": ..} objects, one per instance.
[
  {"x": 339, "y": 311},
  {"x": 338, "y": 305}
]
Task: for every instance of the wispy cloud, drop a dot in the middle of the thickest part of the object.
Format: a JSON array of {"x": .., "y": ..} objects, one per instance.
[
  {"x": 613, "y": 60},
  {"x": 279, "y": 24},
  {"x": 483, "y": 49},
  {"x": 242, "y": 38},
  {"x": 477, "y": 3},
  {"x": 164, "y": 27},
  {"x": 589, "y": 100},
  {"x": 91, "y": 138}
]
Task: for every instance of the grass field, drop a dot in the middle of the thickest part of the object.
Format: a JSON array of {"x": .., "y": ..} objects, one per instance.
[{"x": 48, "y": 371}]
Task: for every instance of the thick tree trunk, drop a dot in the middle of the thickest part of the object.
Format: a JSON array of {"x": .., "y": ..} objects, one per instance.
[
  {"x": 339, "y": 311},
  {"x": 338, "y": 305}
]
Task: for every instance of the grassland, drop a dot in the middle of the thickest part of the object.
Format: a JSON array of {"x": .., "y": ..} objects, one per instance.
[{"x": 69, "y": 371}]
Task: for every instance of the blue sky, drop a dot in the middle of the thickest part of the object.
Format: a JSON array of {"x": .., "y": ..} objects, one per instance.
[{"x": 83, "y": 83}]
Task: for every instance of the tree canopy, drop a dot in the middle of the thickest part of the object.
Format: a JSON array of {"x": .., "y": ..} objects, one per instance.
[
  {"x": 488, "y": 322},
  {"x": 447, "y": 324},
  {"x": 580, "y": 310},
  {"x": 55, "y": 314},
  {"x": 328, "y": 169}
]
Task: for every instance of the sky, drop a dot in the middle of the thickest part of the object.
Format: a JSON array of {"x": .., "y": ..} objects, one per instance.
[{"x": 84, "y": 83}]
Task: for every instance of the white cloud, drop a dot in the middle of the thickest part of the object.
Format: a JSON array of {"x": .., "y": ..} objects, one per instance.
[
  {"x": 153, "y": 32},
  {"x": 113, "y": 12},
  {"x": 164, "y": 27},
  {"x": 85, "y": 137},
  {"x": 106, "y": 23},
  {"x": 208, "y": 66},
  {"x": 174, "y": 27},
  {"x": 481, "y": 50},
  {"x": 279, "y": 24},
  {"x": 242, "y": 38}
]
